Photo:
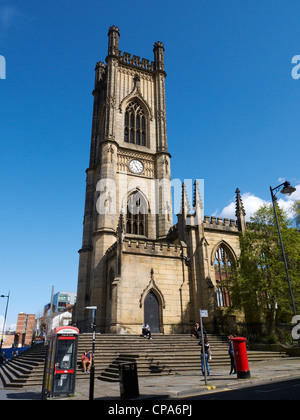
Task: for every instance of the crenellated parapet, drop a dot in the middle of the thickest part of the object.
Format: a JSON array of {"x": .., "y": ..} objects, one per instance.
[
  {"x": 151, "y": 248},
  {"x": 133, "y": 60},
  {"x": 217, "y": 223},
  {"x": 136, "y": 61},
  {"x": 147, "y": 247}
]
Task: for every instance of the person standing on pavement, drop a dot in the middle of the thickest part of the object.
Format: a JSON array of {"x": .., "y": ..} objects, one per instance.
[
  {"x": 231, "y": 355},
  {"x": 205, "y": 357}
]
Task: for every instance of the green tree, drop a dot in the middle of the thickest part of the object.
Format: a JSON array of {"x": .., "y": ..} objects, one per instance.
[
  {"x": 296, "y": 209},
  {"x": 259, "y": 284}
]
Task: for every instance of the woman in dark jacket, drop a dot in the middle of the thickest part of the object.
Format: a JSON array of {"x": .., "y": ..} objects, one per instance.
[{"x": 231, "y": 355}]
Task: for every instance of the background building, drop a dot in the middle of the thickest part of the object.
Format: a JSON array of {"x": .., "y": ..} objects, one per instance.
[
  {"x": 62, "y": 300},
  {"x": 24, "y": 330}
]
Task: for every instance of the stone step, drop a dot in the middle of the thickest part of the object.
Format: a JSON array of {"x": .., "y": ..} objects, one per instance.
[
  {"x": 24, "y": 370},
  {"x": 164, "y": 355}
]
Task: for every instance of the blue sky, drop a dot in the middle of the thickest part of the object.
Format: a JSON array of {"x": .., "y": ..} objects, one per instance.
[{"x": 232, "y": 114}]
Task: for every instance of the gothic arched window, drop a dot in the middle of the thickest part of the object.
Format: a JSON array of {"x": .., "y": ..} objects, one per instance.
[
  {"x": 137, "y": 210},
  {"x": 135, "y": 124},
  {"x": 223, "y": 265}
]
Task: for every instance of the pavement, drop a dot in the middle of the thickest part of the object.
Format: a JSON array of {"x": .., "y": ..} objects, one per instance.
[{"x": 174, "y": 387}]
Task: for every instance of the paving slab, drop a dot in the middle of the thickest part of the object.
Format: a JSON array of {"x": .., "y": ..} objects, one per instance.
[
  {"x": 173, "y": 387},
  {"x": 180, "y": 386}
]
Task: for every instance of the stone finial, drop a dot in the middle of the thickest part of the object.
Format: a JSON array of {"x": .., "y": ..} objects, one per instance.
[
  {"x": 185, "y": 206},
  {"x": 240, "y": 212},
  {"x": 197, "y": 201},
  {"x": 113, "y": 41},
  {"x": 197, "y": 204},
  {"x": 159, "y": 44},
  {"x": 159, "y": 56},
  {"x": 99, "y": 73},
  {"x": 121, "y": 224}
]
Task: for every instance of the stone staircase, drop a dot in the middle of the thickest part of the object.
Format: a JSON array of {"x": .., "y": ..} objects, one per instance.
[
  {"x": 24, "y": 370},
  {"x": 164, "y": 355}
]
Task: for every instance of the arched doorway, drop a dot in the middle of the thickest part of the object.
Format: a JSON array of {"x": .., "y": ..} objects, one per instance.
[{"x": 151, "y": 312}]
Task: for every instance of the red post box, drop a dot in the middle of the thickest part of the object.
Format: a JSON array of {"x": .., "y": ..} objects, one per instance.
[{"x": 241, "y": 358}]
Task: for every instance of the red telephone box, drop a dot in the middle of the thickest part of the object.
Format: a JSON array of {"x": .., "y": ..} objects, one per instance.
[
  {"x": 241, "y": 358},
  {"x": 60, "y": 364}
]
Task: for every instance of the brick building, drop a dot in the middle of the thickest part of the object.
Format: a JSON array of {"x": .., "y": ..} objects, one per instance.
[{"x": 24, "y": 330}]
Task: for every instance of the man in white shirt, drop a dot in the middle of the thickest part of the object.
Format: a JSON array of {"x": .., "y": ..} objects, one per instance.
[{"x": 146, "y": 330}]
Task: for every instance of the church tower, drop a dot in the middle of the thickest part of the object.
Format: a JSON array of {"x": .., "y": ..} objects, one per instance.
[
  {"x": 135, "y": 265},
  {"x": 128, "y": 177}
]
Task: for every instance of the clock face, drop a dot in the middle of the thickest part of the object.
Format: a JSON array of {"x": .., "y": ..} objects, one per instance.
[{"x": 136, "y": 166}]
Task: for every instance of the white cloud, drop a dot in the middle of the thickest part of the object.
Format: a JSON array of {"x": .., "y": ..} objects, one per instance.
[
  {"x": 252, "y": 203},
  {"x": 11, "y": 327}
]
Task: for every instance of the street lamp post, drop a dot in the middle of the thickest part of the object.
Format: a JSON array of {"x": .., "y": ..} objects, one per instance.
[
  {"x": 92, "y": 375},
  {"x": 3, "y": 296},
  {"x": 287, "y": 190}
]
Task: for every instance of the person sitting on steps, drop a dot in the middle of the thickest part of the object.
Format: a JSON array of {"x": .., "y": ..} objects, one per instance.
[
  {"x": 146, "y": 330},
  {"x": 86, "y": 359}
]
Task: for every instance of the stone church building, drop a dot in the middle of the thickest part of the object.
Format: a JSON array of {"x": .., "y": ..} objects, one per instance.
[{"x": 135, "y": 263}]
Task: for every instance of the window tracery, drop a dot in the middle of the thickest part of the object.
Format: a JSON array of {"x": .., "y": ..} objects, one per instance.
[
  {"x": 223, "y": 266},
  {"x": 135, "y": 124}
]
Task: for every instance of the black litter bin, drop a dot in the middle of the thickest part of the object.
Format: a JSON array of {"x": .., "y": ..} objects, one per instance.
[{"x": 129, "y": 386}]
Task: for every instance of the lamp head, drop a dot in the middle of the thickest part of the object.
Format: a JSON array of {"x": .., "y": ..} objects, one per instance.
[{"x": 287, "y": 189}]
